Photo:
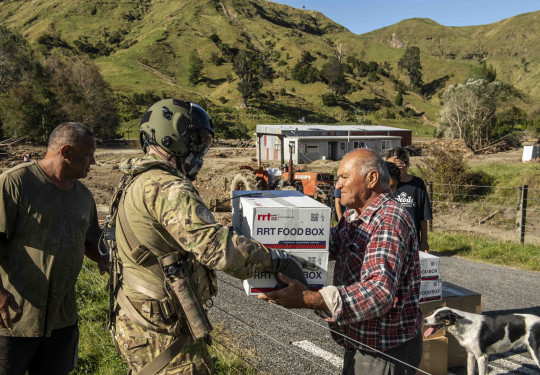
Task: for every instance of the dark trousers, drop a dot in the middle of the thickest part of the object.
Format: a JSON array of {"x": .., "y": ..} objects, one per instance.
[
  {"x": 359, "y": 361},
  {"x": 54, "y": 355}
]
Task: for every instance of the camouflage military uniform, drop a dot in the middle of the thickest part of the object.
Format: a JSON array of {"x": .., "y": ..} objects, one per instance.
[{"x": 166, "y": 213}]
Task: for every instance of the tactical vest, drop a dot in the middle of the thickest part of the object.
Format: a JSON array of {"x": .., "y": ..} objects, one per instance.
[{"x": 127, "y": 262}]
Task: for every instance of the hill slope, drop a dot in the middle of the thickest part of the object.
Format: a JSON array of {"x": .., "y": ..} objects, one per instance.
[{"x": 144, "y": 45}]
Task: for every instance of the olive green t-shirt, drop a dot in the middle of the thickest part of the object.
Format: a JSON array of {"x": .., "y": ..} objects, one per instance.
[{"x": 46, "y": 229}]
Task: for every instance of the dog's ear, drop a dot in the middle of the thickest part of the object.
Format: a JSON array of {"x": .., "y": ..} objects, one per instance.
[{"x": 454, "y": 317}]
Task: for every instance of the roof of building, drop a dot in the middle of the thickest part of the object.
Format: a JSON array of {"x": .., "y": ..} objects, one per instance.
[
  {"x": 344, "y": 137},
  {"x": 277, "y": 129}
]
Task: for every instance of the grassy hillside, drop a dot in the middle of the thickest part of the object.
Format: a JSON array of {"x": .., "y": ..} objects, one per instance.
[
  {"x": 145, "y": 45},
  {"x": 512, "y": 46}
]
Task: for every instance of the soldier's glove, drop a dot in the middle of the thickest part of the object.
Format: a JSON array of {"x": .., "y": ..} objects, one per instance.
[{"x": 289, "y": 265}]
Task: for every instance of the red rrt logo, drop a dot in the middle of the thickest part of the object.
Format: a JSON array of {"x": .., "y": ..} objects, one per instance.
[{"x": 267, "y": 217}]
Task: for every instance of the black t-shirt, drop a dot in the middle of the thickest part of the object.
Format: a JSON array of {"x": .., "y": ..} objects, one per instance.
[{"x": 414, "y": 197}]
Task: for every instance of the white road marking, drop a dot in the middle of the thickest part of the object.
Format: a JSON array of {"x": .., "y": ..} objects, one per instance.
[{"x": 321, "y": 353}]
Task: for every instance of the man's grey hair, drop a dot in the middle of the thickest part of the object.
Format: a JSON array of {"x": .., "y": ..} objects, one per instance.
[
  {"x": 68, "y": 133},
  {"x": 374, "y": 162}
]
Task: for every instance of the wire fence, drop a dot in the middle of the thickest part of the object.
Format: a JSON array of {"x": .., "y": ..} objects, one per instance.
[{"x": 508, "y": 208}]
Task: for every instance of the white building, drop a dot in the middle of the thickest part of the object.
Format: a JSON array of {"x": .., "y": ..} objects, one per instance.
[{"x": 331, "y": 142}]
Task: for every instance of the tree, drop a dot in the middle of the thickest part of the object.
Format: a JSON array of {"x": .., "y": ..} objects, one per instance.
[
  {"x": 485, "y": 71},
  {"x": 16, "y": 59},
  {"x": 410, "y": 62},
  {"x": 27, "y": 107},
  {"x": 469, "y": 109},
  {"x": 303, "y": 71},
  {"x": 82, "y": 94},
  {"x": 332, "y": 72},
  {"x": 399, "y": 98},
  {"x": 36, "y": 96},
  {"x": 195, "y": 67},
  {"x": 251, "y": 70}
]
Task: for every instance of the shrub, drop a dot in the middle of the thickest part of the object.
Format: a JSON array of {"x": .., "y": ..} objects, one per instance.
[
  {"x": 329, "y": 100},
  {"x": 448, "y": 169},
  {"x": 372, "y": 77}
]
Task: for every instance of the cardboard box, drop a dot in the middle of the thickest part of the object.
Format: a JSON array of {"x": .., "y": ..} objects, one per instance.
[
  {"x": 435, "y": 356},
  {"x": 430, "y": 266},
  {"x": 263, "y": 282},
  {"x": 465, "y": 300},
  {"x": 282, "y": 219},
  {"x": 430, "y": 290}
]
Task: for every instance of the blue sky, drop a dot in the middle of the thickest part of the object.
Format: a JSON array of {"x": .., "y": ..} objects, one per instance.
[{"x": 361, "y": 16}]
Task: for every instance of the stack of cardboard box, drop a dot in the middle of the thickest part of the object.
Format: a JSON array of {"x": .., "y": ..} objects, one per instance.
[
  {"x": 434, "y": 356},
  {"x": 287, "y": 220},
  {"x": 431, "y": 285},
  {"x": 441, "y": 350}
]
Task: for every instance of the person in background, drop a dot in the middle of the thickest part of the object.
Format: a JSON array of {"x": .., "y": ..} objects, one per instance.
[
  {"x": 394, "y": 173},
  {"x": 373, "y": 302},
  {"x": 340, "y": 209},
  {"x": 48, "y": 223},
  {"x": 411, "y": 192}
]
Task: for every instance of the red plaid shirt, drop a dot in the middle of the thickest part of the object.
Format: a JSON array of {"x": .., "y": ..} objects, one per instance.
[{"x": 377, "y": 274}]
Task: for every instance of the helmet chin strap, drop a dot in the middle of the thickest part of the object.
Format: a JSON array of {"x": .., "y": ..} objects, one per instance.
[
  {"x": 165, "y": 156},
  {"x": 188, "y": 166}
]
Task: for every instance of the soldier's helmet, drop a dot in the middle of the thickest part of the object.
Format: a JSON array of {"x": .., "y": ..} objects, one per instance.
[{"x": 183, "y": 129}]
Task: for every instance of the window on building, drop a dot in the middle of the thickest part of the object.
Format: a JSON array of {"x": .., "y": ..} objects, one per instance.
[
  {"x": 358, "y": 144},
  {"x": 312, "y": 148},
  {"x": 277, "y": 146},
  {"x": 342, "y": 145},
  {"x": 386, "y": 144},
  {"x": 292, "y": 146}
]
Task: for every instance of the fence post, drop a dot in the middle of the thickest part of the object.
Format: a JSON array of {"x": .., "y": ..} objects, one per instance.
[
  {"x": 521, "y": 216},
  {"x": 430, "y": 196}
]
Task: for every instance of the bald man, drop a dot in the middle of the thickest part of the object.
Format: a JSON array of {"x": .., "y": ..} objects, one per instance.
[
  {"x": 48, "y": 222},
  {"x": 373, "y": 302}
]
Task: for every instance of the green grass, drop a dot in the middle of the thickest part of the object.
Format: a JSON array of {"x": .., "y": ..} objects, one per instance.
[
  {"x": 97, "y": 353},
  {"x": 514, "y": 174},
  {"x": 506, "y": 178},
  {"x": 510, "y": 254}
]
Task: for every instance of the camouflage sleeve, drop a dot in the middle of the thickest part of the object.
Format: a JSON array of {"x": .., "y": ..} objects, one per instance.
[{"x": 181, "y": 211}]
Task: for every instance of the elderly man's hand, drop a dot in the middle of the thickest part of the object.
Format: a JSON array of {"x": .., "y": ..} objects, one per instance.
[{"x": 291, "y": 297}]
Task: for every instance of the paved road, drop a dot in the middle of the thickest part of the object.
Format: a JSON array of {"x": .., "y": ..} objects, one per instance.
[{"x": 279, "y": 341}]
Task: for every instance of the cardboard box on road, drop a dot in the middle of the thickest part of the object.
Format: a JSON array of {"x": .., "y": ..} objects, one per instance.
[
  {"x": 462, "y": 299},
  {"x": 435, "y": 356}
]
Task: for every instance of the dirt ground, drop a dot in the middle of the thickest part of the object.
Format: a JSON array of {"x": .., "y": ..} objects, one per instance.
[{"x": 221, "y": 164}]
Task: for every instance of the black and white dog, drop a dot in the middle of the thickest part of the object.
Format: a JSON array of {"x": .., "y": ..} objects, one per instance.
[{"x": 482, "y": 335}]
